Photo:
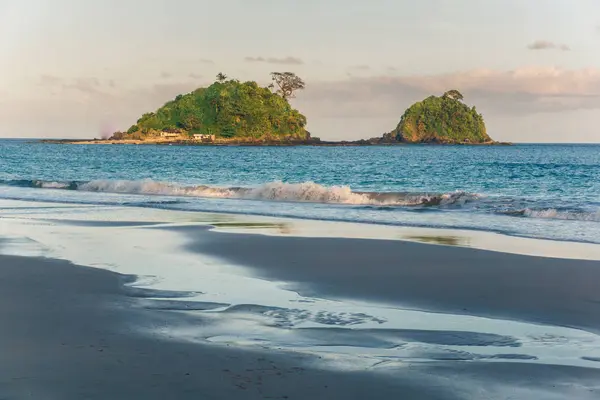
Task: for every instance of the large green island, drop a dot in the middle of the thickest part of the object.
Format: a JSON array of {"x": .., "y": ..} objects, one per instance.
[
  {"x": 244, "y": 113},
  {"x": 227, "y": 111}
]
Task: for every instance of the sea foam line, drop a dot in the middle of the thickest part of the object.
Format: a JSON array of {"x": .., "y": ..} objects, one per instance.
[{"x": 274, "y": 191}]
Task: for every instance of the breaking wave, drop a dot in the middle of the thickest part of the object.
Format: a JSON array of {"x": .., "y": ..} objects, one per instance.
[
  {"x": 273, "y": 191},
  {"x": 311, "y": 192},
  {"x": 552, "y": 213}
]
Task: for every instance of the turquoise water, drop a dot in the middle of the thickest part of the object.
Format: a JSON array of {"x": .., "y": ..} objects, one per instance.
[{"x": 545, "y": 191}]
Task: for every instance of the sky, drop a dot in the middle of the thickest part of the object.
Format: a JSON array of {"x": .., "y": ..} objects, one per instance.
[{"x": 82, "y": 69}]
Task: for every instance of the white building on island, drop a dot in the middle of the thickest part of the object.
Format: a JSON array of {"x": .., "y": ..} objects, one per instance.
[
  {"x": 169, "y": 134},
  {"x": 198, "y": 136}
]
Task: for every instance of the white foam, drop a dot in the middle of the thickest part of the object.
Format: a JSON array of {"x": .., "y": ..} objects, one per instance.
[
  {"x": 281, "y": 191},
  {"x": 53, "y": 185},
  {"x": 551, "y": 213},
  {"x": 307, "y": 191}
]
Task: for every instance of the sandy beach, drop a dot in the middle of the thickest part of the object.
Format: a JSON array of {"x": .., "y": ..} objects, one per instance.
[
  {"x": 70, "y": 332},
  {"x": 447, "y": 279},
  {"x": 177, "y": 309}
]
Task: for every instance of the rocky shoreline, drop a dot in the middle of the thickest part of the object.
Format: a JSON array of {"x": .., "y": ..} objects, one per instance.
[{"x": 311, "y": 142}]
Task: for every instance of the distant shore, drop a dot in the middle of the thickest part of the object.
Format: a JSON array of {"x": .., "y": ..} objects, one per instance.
[{"x": 229, "y": 142}]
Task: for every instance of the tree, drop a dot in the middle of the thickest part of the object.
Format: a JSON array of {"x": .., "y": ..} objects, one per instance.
[
  {"x": 288, "y": 83},
  {"x": 221, "y": 77},
  {"x": 454, "y": 94}
]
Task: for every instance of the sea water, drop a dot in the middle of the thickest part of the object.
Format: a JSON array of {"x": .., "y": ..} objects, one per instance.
[
  {"x": 532, "y": 190},
  {"x": 114, "y": 191}
]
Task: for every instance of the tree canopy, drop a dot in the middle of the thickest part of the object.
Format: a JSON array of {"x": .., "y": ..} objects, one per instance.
[
  {"x": 221, "y": 77},
  {"x": 443, "y": 119},
  {"x": 287, "y": 83},
  {"x": 454, "y": 94},
  {"x": 227, "y": 108}
]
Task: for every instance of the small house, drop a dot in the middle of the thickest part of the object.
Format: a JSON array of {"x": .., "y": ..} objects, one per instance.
[{"x": 204, "y": 138}]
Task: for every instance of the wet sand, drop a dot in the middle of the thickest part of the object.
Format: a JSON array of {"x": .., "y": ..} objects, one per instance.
[
  {"x": 448, "y": 279},
  {"x": 71, "y": 332}
]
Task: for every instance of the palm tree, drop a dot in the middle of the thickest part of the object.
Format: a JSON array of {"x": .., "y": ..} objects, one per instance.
[{"x": 221, "y": 77}]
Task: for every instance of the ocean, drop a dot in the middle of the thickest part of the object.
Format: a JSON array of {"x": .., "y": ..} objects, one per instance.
[{"x": 531, "y": 190}]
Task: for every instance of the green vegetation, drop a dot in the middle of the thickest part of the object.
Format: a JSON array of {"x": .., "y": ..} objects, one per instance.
[
  {"x": 444, "y": 119},
  {"x": 227, "y": 109}
]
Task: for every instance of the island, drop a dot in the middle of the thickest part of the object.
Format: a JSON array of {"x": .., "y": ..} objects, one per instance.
[
  {"x": 441, "y": 119},
  {"x": 230, "y": 112}
]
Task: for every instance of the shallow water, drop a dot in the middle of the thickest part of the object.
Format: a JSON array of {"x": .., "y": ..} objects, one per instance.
[
  {"x": 248, "y": 311},
  {"x": 542, "y": 191}
]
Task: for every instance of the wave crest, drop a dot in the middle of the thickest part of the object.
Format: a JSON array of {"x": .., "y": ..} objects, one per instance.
[
  {"x": 273, "y": 191},
  {"x": 552, "y": 213}
]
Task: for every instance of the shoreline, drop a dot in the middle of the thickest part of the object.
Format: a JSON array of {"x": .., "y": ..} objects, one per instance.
[
  {"x": 439, "y": 278},
  {"x": 294, "y": 226},
  {"x": 256, "y": 144},
  {"x": 485, "y": 239},
  {"x": 209, "y": 310}
]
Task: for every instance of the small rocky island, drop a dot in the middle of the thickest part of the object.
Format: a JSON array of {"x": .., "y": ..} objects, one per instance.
[{"x": 439, "y": 120}]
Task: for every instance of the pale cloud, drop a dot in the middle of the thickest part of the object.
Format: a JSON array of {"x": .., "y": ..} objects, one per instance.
[
  {"x": 88, "y": 85},
  {"x": 542, "y": 81},
  {"x": 517, "y": 92},
  {"x": 289, "y": 60},
  {"x": 165, "y": 75},
  {"x": 161, "y": 93},
  {"x": 195, "y": 76},
  {"x": 50, "y": 80},
  {"x": 546, "y": 45},
  {"x": 362, "y": 67},
  {"x": 205, "y": 61},
  {"x": 83, "y": 109},
  {"x": 84, "y": 85}
]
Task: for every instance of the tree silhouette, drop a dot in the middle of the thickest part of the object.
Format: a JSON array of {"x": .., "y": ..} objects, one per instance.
[
  {"x": 221, "y": 77},
  {"x": 454, "y": 94},
  {"x": 288, "y": 83}
]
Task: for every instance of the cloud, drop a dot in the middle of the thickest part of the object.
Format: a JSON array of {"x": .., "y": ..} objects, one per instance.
[
  {"x": 516, "y": 92},
  {"x": 289, "y": 60},
  {"x": 84, "y": 85},
  {"x": 165, "y": 75},
  {"x": 546, "y": 45},
  {"x": 195, "y": 76},
  {"x": 362, "y": 67},
  {"x": 206, "y": 61},
  {"x": 161, "y": 93},
  {"x": 50, "y": 80}
]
